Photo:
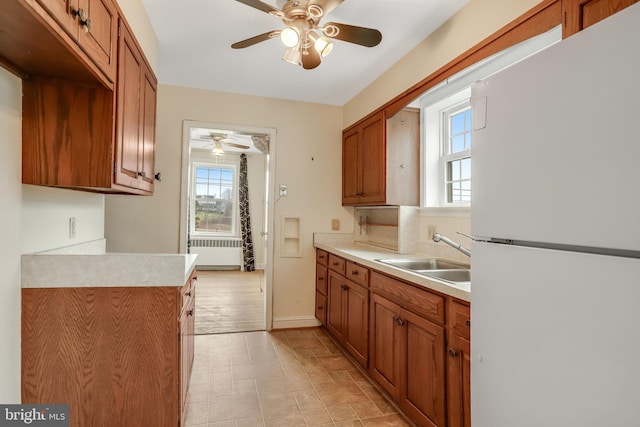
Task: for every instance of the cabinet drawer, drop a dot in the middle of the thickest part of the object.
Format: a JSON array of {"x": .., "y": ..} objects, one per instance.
[
  {"x": 357, "y": 273},
  {"x": 187, "y": 291},
  {"x": 420, "y": 301},
  {"x": 321, "y": 279},
  {"x": 321, "y": 308},
  {"x": 322, "y": 257},
  {"x": 459, "y": 319},
  {"x": 336, "y": 263}
]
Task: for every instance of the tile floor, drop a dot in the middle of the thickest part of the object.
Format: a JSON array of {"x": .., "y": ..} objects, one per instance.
[{"x": 283, "y": 378}]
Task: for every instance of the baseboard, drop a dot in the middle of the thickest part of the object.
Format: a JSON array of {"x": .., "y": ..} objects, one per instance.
[{"x": 290, "y": 322}]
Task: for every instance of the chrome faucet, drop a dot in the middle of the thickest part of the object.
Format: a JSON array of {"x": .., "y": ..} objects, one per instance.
[{"x": 437, "y": 237}]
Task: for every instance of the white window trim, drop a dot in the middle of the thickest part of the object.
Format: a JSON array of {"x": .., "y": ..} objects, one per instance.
[
  {"x": 235, "y": 234},
  {"x": 446, "y": 93}
]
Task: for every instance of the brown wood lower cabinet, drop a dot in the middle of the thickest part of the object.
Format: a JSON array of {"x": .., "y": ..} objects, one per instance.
[
  {"x": 117, "y": 355},
  {"x": 348, "y": 315},
  {"x": 459, "y": 365},
  {"x": 418, "y": 342},
  {"x": 407, "y": 360}
]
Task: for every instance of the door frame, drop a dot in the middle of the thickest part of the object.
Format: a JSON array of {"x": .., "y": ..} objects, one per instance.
[{"x": 269, "y": 198}]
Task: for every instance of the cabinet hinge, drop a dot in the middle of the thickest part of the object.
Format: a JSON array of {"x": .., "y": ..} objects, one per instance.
[{"x": 119, "y": 31}]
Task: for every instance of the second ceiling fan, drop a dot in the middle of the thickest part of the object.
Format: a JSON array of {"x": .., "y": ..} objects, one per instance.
[{"x": 306, "y": 40}]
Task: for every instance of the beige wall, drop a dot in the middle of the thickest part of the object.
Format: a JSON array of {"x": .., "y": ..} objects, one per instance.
[
  {"x": 307, "y": 159},
  {"x": 473, "y": 23}
]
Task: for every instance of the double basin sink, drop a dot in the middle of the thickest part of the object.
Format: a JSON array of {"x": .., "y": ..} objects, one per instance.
[{"x": 448, "y": 271}]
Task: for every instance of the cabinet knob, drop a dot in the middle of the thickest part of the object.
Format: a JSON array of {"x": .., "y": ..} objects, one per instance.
[
  {"x": 399, "y": 321},
  {"x": 190, "y": 313},
  {"x": 344, "y": 287},
  {"x": 85, "y": 21},
  {"x": 468, "y": 323},
  {"x": 354, "y": 272},
  {"x": 158, "y": 176},
  {"x": 142, "y": 174},
  {"x": 188, "y": 294},
  {"x": 320, "y": 307},
  {"x": 453, "y": 353},
  {"x": 320, "y": 279}
]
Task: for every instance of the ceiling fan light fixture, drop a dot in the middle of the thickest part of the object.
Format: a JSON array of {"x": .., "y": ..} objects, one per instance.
[
  {"x": 292, "y": 55},
  {"x": 217, "y": 149},
  {"x": 290, "y": 36},
  {"x": 322, "y": 45}
]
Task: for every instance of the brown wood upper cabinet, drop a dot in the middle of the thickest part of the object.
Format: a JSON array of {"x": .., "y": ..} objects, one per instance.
[
  {"x": 136, "y": 121},
  {"x": 82, "y": 135},
  {"x": 580, "y": 14},
  {"x": 93, "y": 24},
  {"x": 380, "y": 160}
]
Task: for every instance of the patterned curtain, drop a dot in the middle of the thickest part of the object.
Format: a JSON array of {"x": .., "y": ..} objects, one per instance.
[{"x": 245, "y": 220}]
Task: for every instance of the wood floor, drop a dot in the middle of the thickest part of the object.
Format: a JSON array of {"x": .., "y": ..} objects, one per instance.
[{"x": 229, "y": 301}]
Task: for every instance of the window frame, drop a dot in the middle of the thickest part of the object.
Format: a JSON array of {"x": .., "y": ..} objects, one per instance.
[
  {"x": 445, "y": 94},
  {"x": 235, "y": 231}
]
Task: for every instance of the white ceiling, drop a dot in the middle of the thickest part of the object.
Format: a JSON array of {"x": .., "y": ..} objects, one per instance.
[{"x": 194, "y": 39}]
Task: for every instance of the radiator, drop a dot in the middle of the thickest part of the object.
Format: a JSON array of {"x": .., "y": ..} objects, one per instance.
[{"x": 217, "y": 253}]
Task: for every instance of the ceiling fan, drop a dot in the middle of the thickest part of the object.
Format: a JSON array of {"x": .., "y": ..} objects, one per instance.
[
  {"x": 306, "y": 41},
  {"x": 220, "y": 139}
]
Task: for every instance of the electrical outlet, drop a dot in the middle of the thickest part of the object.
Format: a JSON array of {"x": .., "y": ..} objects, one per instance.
[
  {"x": 72, "y": 228},
  {"x": 335, "y": 224},
  {"x": 283, "y": 189}
]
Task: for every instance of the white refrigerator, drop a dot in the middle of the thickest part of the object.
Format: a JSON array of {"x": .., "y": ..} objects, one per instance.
[{"x": 555, "y": 286}]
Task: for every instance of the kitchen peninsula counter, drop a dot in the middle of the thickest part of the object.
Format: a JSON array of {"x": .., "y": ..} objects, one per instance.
[{"x": 91, "y": 268}]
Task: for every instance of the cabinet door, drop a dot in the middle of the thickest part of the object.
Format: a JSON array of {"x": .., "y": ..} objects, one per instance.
[
  {"x": 147, "y": 145},
  {"x": 373, "y": 161},
  {"x": 422, "y": 394},
  {"x": 60, "y": 11},
  {"x": 184, "y": 362},
  {"x": 458, "y": 382},
  {"x": 384, "y": 363},
  {"x": 335, "y": 305},
  {"x": 130, "y": 65},
  {"x": 356, "y": 334},
  {"x": 98, "y": 37},
  {"x": 135, "y": 143},
  {"x": 350, "y": 161},
  {"x": 580, "y": 14}
]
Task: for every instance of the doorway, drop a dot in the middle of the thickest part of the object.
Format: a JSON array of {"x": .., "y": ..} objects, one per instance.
[{"x": 216, "y": 211}]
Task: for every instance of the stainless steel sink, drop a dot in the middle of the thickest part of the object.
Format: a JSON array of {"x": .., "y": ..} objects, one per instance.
[
  {"x": 446, "y": 270},
  {"x": 455, "y": 276},
  {"x": 421, "y": 264}
]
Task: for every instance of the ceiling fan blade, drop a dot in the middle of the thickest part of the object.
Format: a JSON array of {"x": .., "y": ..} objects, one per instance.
[
  {"x": 350, "y": 33},
  {"x": 233, "y": 144},
  {"x": 326, "y": 5},
  {"x": 256, "y": 39},
  {"x": 261, "y": 6},
  {"x": 310, "y": 59}
]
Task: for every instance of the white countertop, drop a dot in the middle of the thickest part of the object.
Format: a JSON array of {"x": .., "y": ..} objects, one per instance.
[
  {"x": 366, "y": 255},
  {"x": 58, "y": 270}
]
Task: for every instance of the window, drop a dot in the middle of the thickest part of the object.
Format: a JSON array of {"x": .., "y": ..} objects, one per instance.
[
  {"x": 447, "y": 129},
  {"x": 214, "y": 199},
  {"x": 456, "y": 154},
  {"x": 447, "y": 161}
]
